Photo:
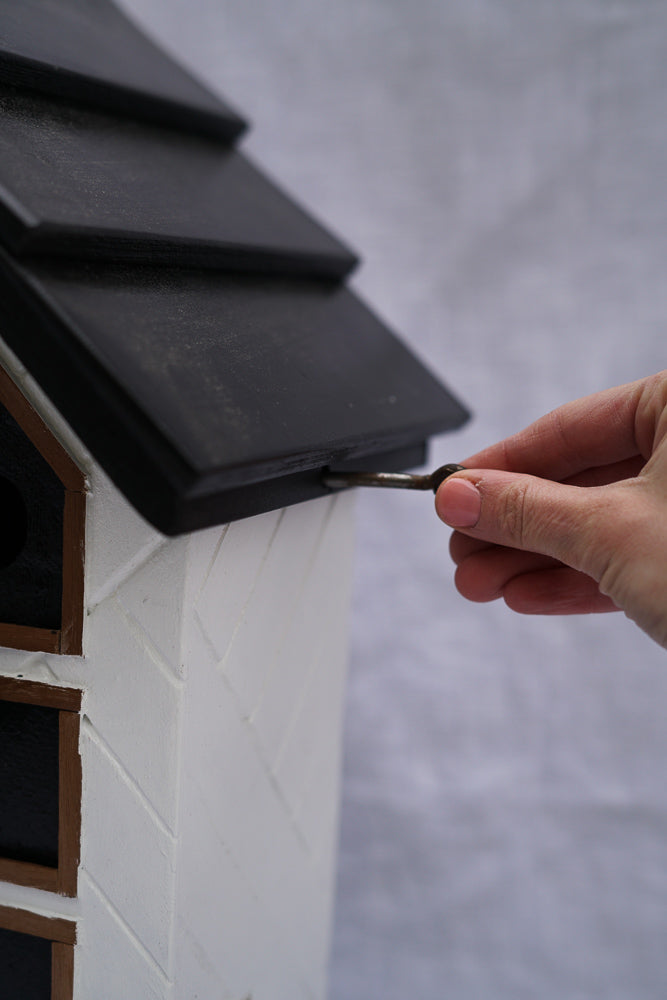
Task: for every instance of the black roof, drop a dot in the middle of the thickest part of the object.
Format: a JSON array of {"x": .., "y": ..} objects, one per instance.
[
  {"x": 87, "y": 183},
  {"x": 187, "y": 318},
  {"x": 89, "y": 52}
]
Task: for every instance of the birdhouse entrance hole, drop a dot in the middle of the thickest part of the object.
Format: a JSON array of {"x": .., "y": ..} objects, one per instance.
[
  {"x": 40, "y": 785},
  {"x": 14, "y": 516},
  {"x": 42, "y": 506},
  {"x": 36, "y": 955}
]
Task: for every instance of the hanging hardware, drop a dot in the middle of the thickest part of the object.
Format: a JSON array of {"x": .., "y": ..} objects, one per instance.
[{"x": 392, "y": 480}]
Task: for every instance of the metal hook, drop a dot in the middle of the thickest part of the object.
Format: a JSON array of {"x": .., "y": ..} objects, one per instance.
[{"x": 395, "y": 480}]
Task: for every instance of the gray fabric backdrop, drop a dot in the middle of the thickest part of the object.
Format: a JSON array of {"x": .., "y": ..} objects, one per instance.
[{"x": 501, "y": 165}]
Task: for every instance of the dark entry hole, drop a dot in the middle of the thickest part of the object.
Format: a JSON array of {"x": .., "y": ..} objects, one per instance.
[
  {"x": 25, "y": 966},
  {"x": 29, "y": 784},
  {"x": 13, "y": 521}
]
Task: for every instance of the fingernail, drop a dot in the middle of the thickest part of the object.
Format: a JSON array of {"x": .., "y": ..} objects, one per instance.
[{"x": 458, "y": 503}]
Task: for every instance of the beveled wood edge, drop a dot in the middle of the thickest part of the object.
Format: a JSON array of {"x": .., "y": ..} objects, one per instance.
[
  {"x": 62, "y": 971},
  {"x": 69, "y": 804},
  {"x": 32, "y": 640},
  {"x": 36, "y": 693},
  {"x": 41, "y": 436},
  {"x": 28, "y": 874},
  {"x": 26, "y": 922},
  {"x": 218, "y": 120},
  {"x": 74, "y": 543}
]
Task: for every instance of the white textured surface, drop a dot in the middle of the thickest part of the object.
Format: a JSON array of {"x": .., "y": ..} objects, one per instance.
[
  {"x": 126, "y": 850},
  {"x": 227, "y": 583},
  {"x": 135, "y": 702},
  {"x": 255, "y": 891},
  {"x": 110, "y": 962}
]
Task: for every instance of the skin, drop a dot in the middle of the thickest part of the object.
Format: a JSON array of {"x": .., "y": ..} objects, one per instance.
[{"x": 569, "y": 516}]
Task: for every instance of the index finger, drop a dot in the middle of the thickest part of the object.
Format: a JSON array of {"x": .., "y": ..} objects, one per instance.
[{"x": 597, "y": 430}]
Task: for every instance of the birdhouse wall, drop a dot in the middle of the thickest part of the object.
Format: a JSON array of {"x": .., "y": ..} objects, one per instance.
[
  {"x": 261, "y": 753},
  {"x": 212, "y": 682}
]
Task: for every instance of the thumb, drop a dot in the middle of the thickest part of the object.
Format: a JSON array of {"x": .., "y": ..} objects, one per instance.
[
  {"x": 616, "y": 534},
  {"x": 569, "y": 523}
]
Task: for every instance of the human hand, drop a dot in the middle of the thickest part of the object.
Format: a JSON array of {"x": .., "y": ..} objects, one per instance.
[{"x": 570, "y": 515}]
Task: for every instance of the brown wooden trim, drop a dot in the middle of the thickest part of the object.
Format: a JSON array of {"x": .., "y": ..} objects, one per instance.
[
  {"x": 62, "y": 971},
  {"x": 68, "y": 638},
  {"x": 69, "y": 805},
  {"x": 36, "y": 693},
  {"x": 41, "y": 436},
  {"x": 62, "y": 879},
  {"x": 26, "y": 922},
  {"x": 74, "y": 535},
  {"x": 33, "y": 640},
  {"x": 25, "y": 873}
]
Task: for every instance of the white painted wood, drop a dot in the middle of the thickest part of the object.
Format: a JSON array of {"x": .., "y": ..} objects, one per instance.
[
  {"x": 213, "y": 676},
  {"x": 127, "y": 852},
  {"x": 109, "y": 961},
  {"x": 269, "y": 937}
]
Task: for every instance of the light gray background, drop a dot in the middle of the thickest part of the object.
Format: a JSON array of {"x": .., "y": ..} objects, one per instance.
[{"x": 501, "y": 165}]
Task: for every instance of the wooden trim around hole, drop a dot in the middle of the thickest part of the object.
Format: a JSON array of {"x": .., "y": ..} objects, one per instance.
[
  {"x": 43, "y": 438},
  {"x": 62, "y": 935},
  {"x": 25, "y": 873},
  {"x": 68, "y": 639},
  {"x": 26, "y": 922},
  {"x": 62, "y": 971},
  {"x": 69, "y": 804},
  {"x": 74, "y": 538},
  {"x": 67, "y": 701},
  {"x": 32, "y": 640},
  {"x": 36, "y": 693}
]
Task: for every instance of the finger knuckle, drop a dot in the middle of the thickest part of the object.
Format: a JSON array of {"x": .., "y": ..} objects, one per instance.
[{"x": 512, "y": 515}]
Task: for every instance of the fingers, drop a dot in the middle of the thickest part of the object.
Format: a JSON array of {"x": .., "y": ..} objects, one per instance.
[
  {"x": 599, "y": 430},
  {"x": 556, "y": 591},
  {"x": 573, "y": 525},
  {"x": 462, "y": 547},
  {"x": 484, "y": 575},
  {"x": 602, "y": 475},
  {"x": 569, "y": 515},
  {"x": 529, "y": 583}
]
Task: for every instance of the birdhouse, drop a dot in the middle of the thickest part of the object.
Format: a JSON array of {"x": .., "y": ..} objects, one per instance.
[{"x": 181, "y": 360}]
